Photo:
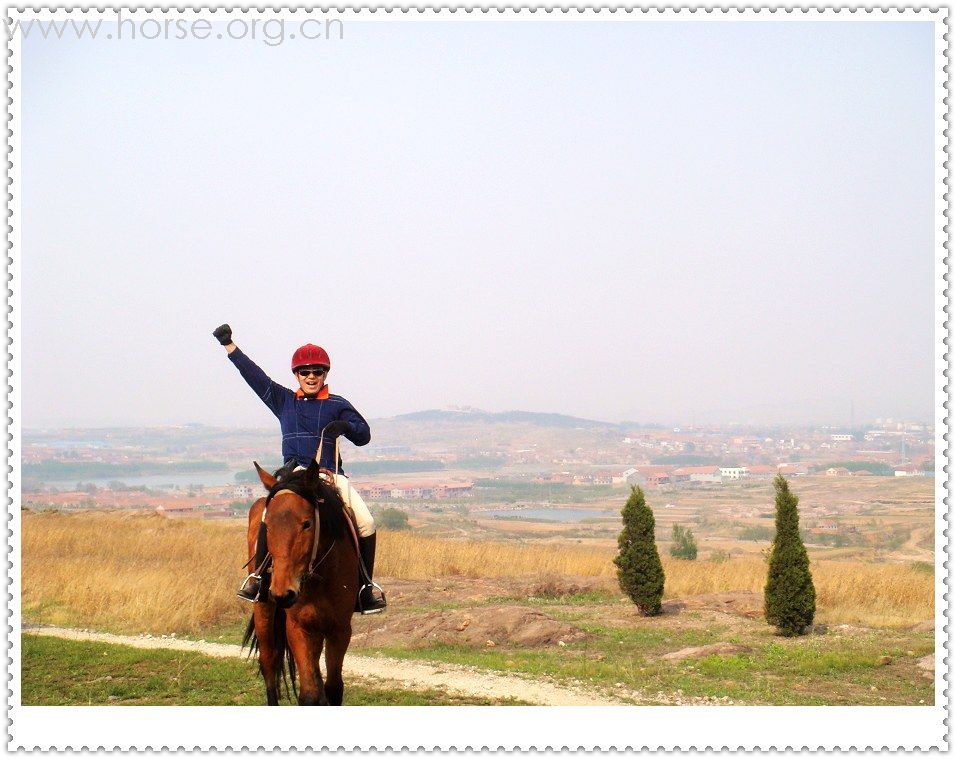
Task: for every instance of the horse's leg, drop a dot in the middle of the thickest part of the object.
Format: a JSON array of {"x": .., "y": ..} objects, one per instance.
[
  {"x": 264, "y": 617},
  {"x": 305, "y": 648},
  {"x": 336, "y": 645}
]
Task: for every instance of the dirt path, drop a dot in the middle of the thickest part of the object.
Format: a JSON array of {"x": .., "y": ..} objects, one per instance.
[
  {"x": 449, "y": 678},
  {"x": 912, "y": 544}
]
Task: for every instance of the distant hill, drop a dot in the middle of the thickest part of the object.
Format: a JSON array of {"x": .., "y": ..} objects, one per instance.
[{"x": 503, "y": 417}]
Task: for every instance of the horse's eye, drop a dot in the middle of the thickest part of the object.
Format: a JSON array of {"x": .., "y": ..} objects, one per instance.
[{"x": 306, "y": 524}]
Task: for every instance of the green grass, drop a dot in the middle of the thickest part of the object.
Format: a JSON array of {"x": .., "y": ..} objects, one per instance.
[
  {"x": 584, "y": 598},
  {"x": 811, "y": 670},
  {"x": 58, "y": 672}
]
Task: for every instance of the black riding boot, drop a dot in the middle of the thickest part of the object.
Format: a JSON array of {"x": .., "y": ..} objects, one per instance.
[
  {"x": 254, "y": 583},
  {"x": 368, "y": 601}
]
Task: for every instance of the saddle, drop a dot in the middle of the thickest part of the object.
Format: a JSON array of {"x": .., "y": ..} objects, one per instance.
[{"x": 329, "y": 476}]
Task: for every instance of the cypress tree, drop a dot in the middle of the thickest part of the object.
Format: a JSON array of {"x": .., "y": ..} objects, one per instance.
[
  {"x": 639, "y": 570},
  {"x": 789, "y": 596}
]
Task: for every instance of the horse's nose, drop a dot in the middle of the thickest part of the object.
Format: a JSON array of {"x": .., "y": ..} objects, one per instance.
[{"x": 286, "y": 599}]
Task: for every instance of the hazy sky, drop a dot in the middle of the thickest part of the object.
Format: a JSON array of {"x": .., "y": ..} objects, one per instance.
[{"x": 680, "y": 221}]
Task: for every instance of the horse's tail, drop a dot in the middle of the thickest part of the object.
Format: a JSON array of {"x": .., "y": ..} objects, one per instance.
[
  {"x": 284, "y": 659},
  {"x": 249, "y": 636}
]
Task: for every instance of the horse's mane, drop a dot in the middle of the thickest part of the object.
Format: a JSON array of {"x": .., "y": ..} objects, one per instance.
[{"x": 317, "y": 492}]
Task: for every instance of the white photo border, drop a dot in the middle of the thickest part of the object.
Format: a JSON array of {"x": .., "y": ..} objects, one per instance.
[{"x": 468, "y": 727}]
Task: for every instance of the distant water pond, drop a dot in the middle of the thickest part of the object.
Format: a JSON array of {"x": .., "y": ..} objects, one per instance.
[{"x": 545, "y": 514}]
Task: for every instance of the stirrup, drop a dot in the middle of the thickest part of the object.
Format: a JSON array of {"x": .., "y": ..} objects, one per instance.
[
  {"x": 377, "y": 609},
  {"x": 245, "y": 582}
]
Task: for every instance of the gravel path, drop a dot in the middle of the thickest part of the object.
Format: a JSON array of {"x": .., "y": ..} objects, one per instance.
[{"x": 450, "y": 678}]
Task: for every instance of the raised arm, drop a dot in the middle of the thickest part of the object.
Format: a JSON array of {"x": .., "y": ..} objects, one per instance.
[{"x": 271, "y": 393}]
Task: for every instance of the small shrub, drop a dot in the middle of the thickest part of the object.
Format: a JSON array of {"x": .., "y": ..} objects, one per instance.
[
  {"x": 392, "y": 519},
  {"x": 684, "y": 545}
]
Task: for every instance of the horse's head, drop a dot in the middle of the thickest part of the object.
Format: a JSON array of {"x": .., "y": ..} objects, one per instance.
[{"x": 292, "y": 528}]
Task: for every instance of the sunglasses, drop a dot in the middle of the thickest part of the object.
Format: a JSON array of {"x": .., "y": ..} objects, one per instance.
[{"x": 310, "y": 372}]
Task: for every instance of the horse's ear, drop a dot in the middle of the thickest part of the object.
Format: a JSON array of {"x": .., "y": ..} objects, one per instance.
[
  {"x": 267, "y": 479},
  {"x": 313, "y": 473}
]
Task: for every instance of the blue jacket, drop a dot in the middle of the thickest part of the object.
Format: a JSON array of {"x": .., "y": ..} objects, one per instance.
[{"x": 302, "y": 419}]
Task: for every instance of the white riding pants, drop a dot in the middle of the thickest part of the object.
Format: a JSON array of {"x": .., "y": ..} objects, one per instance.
[{"x": 353, "y": 501}]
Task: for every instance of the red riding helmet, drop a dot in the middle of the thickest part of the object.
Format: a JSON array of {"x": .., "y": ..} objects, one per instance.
[{"x": 308, "y": 355}]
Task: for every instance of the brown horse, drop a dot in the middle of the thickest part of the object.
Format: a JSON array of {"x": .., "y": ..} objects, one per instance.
[{"x": 313, "y": 586}]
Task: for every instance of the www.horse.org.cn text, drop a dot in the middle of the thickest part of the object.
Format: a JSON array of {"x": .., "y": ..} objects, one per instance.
[{"x": 268, "y": 31}]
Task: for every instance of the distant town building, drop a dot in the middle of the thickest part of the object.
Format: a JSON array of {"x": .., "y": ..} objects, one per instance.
[
  {"x": 909, "y": 470},
  {"x": 711, "y": 474},
  {"x": 651, "y": 476},
  {"x": 733, "y": 472},
  {"x": 837, "y": 471},
  {"x": 561, "y": 478},
  {"x": 624, "y": 476},
  {"x": 415, "y": 490}
]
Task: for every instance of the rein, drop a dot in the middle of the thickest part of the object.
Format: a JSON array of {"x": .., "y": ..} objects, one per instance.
[{"x": 327, "y": 474}]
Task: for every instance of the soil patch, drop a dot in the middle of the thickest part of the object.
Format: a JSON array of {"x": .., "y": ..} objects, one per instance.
[
  {"x": 410, "y": 593},
  {"x": 505, "y": 625},
  {"x": 403, "y": 593},
  {"x": 700, "y": 652},
  {"x": 739, "y": 603}
]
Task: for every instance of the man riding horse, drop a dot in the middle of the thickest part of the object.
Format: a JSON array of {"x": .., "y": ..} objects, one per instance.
[{"x": 304, "y": 416}]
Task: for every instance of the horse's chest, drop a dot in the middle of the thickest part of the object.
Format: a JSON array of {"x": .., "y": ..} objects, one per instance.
[{"x": 313, "y": 616}]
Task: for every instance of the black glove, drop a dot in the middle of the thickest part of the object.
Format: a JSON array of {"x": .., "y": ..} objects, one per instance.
[
  {"x": 336, "y": 428},
  {"x": 223, "y": 334}
]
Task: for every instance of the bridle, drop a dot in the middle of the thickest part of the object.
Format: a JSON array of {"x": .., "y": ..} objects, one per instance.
[{"x": 313, "y": 564}]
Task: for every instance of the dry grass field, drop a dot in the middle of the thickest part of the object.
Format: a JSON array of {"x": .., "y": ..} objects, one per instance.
[{"x": 145, "y": 573}]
